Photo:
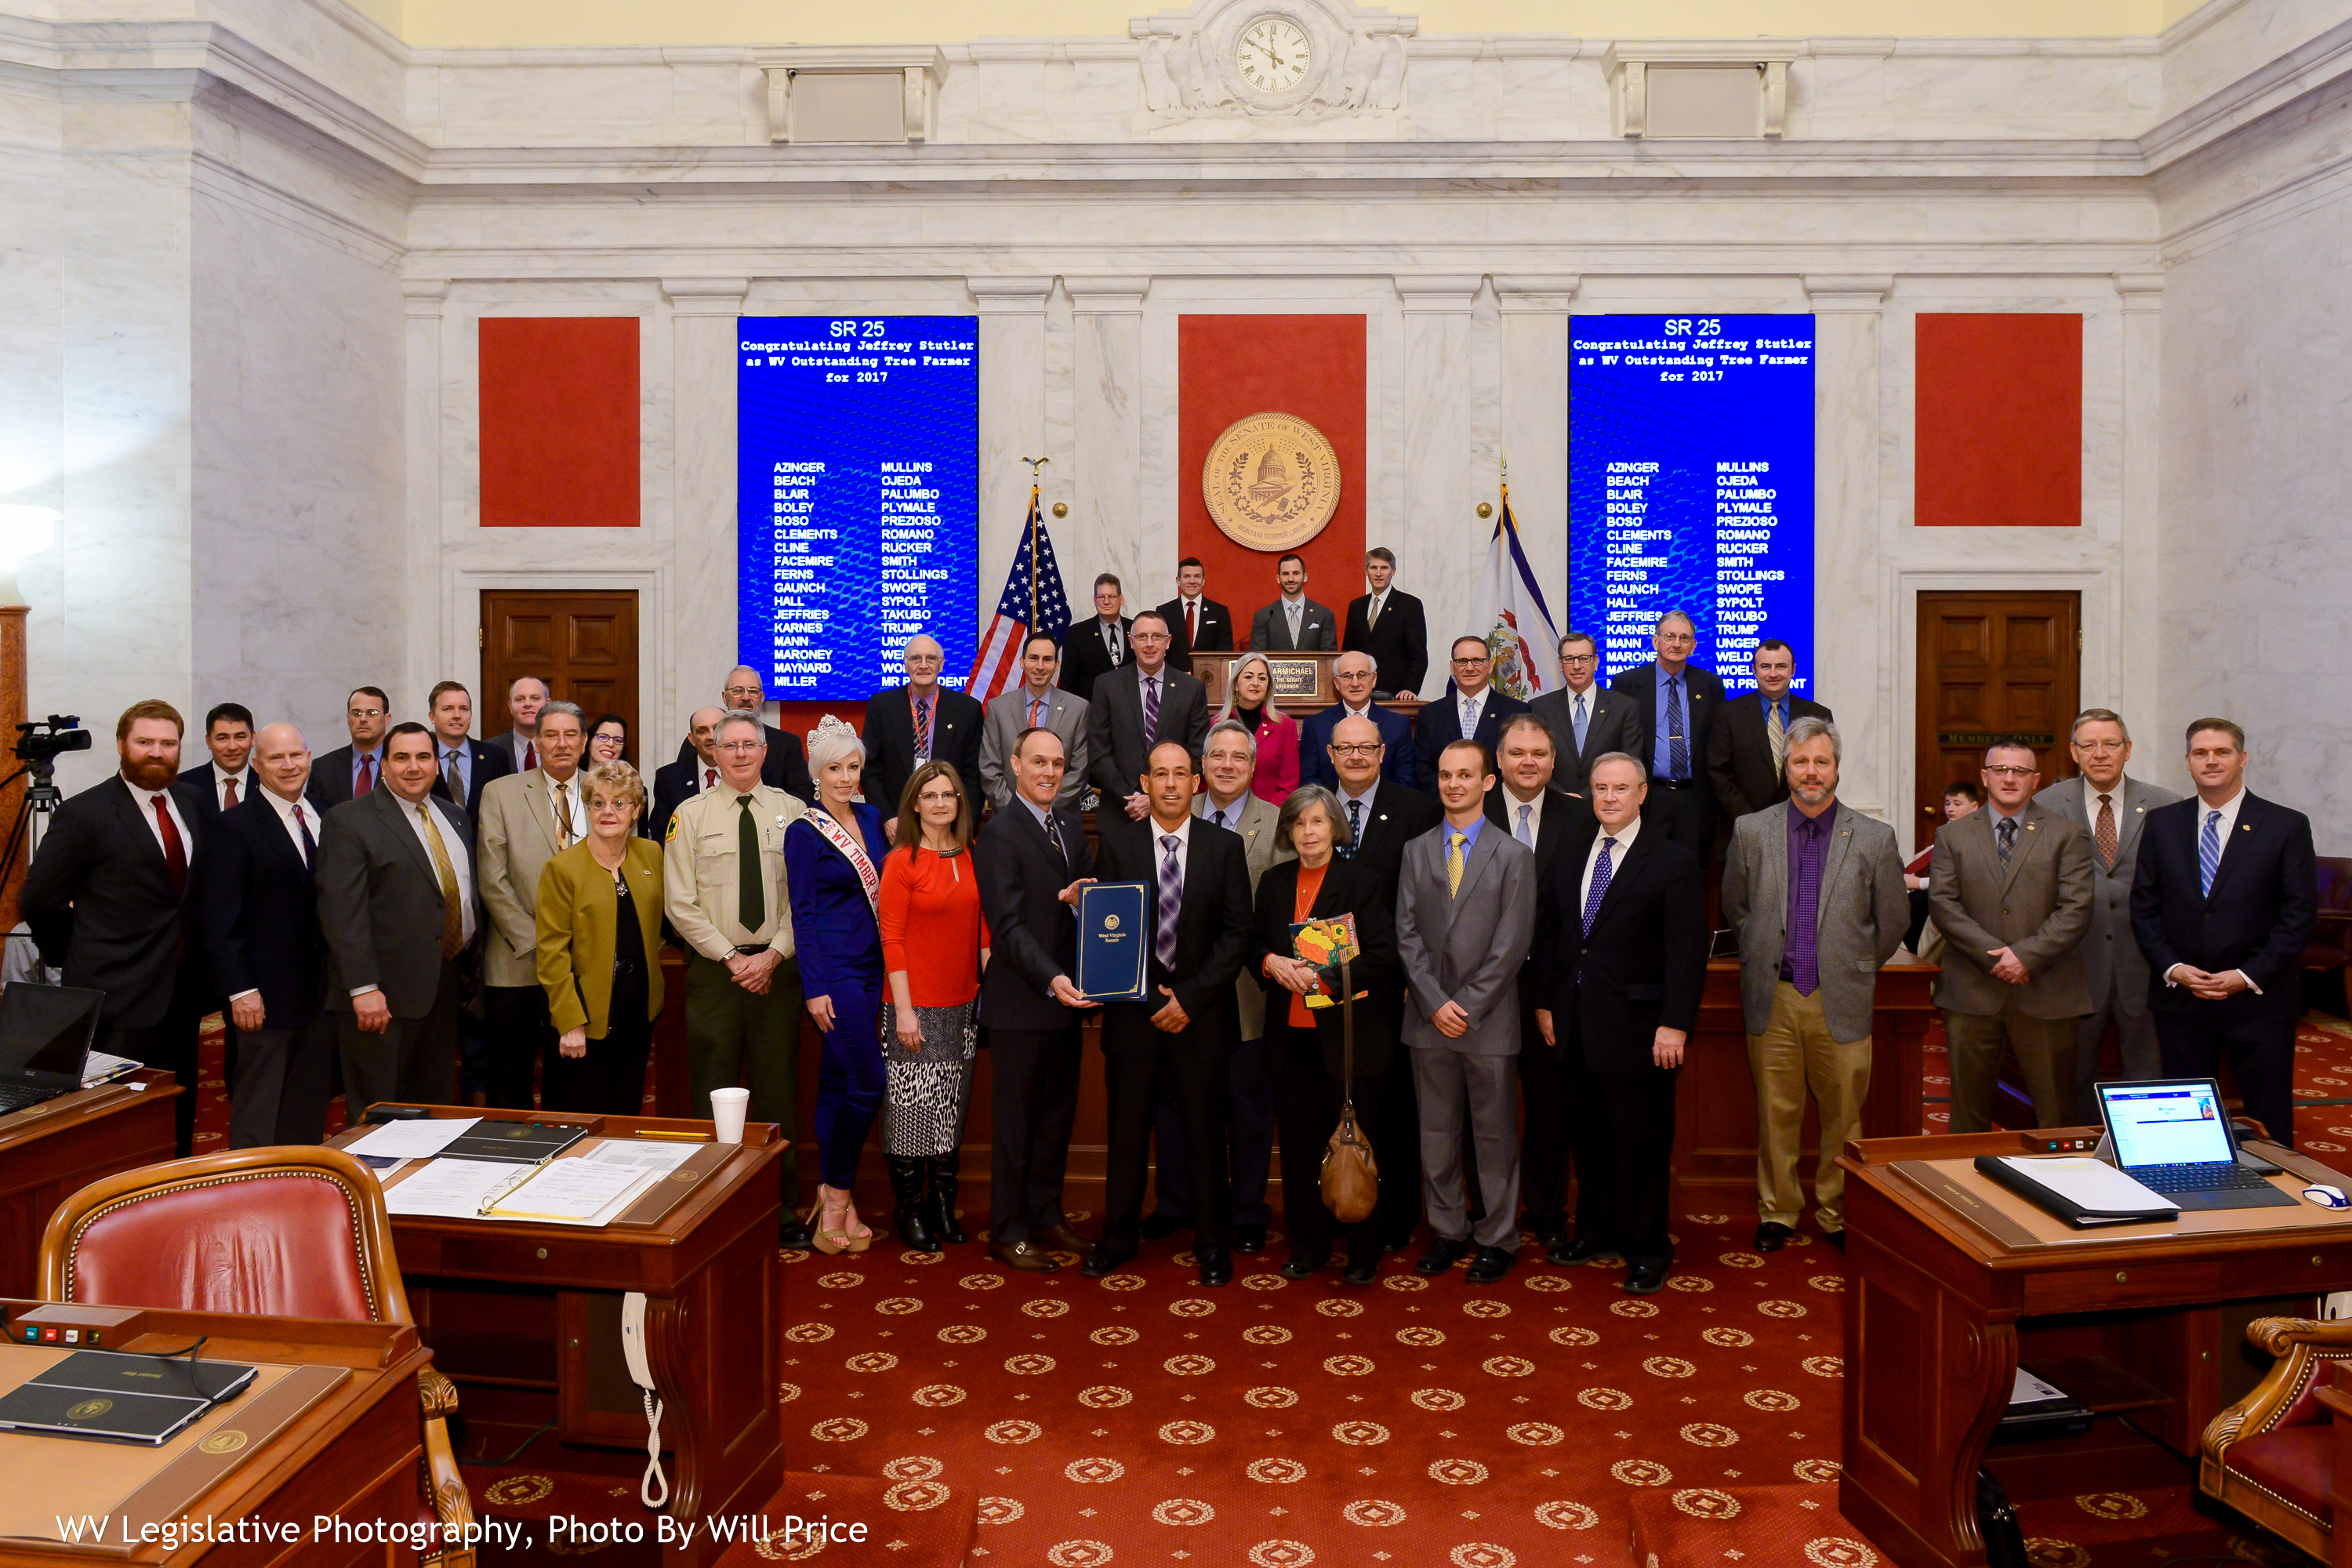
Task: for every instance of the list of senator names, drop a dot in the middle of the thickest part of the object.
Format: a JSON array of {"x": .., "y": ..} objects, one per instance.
[{"x": 816, "y": 603}]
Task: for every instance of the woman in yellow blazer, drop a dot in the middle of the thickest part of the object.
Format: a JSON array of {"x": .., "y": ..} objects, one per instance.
[{"x": 600, "y": 906}]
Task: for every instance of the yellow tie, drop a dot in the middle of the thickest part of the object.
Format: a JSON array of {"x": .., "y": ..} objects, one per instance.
[
  {"x": 563, "y": 816},
  {"x": 1453, "y": 843},
  {"x": 453, "y": 919}
]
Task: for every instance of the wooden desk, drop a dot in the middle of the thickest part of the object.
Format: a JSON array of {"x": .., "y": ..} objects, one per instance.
[
  {"x": 352, "y": 1454},
  {"x": 2145, "y": 1324},
  {"x": 60, "y": 1146}
]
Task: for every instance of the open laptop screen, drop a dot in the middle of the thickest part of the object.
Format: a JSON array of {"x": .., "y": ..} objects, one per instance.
[
  {"x": 2175, "y": 1123},
  {"x": 46, "y": 1028}
]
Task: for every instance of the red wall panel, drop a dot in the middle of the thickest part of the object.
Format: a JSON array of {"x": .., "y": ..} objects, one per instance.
[
  {"x": 559, "y": 421},
  {"x": 1229, "y": 367},
  {"x": 1999, "y": 417}
]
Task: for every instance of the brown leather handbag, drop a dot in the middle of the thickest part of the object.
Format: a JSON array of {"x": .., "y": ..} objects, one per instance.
[{"x": 1351, "y": 1177}]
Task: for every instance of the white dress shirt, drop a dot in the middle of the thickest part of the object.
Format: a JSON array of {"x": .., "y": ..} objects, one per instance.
[
  {"x": 1625, "y": 836},
  {"x": 1183, "y": 836},
  {"x": 1210, "y": 810},
  {"x": 220, "y": 785},
  {"x": 1513, "y": 805},
  {"x": 461, "y": 862},
  {"x": 144, "y": 800},
  {"x": 570, "y": 804},
  {"x": 285, "y": 810}
]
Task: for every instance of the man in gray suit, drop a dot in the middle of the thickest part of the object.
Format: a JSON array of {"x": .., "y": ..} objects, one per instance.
[
  {"x": 1037, "y": 703},
  {"x": 1815, "y": 890},
  {"x": 1590, "y": 720},
  {"x": 2010, "y": 889},
  {"x": 1294, "y": 623},
  {"x": 526, "y": 820},
  {"x": 1466, "y": 914},
  {"x": 2110, "y": 806},
  {"x": 1136, "y": 707},
  {"x": 397, "y": 909}
]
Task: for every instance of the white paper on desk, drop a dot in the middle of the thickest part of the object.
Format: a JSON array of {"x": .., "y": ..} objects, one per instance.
[
  {"x": 660, "y": 1155},
  {"x": 419, "y": 1138},
  {"x": 2091, "y": 1185},
  {"x": 449, "y": 1189},
  {"x": 577, "y": 1190},
  {"x": 98, "y": 1066}
]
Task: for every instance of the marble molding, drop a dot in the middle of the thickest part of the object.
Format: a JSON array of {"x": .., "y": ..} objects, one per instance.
[
  {"x": 1441, "y": 543},
  {"x": 1533, "y": 313},
  {"x": 1012, "y": 314},
  {"x": 1850, "y": 676},
  {"x": 1108, "y": 529}
]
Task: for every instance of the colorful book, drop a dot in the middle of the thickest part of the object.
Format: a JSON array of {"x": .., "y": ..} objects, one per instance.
[{"x": 1323, "y": 943}]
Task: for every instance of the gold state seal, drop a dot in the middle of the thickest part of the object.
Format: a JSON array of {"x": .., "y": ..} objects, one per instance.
[{"x": 1272, "y": 481}]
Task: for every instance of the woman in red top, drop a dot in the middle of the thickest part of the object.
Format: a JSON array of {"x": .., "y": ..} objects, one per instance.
[
  {"x": 1249, "y": 701},
  {"x": 934, "y": 945}
]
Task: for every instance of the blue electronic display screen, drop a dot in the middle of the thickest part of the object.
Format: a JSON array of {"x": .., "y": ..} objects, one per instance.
[
  {"x": 857, "y": 498},
  {"x": 1690, "y": 466}
]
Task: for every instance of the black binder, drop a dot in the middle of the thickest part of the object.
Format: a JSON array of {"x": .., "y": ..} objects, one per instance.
[{"x": 2051, "y": 1201}]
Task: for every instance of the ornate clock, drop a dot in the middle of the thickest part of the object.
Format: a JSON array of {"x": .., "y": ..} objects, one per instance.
[{"x": 1274, "y": 53}]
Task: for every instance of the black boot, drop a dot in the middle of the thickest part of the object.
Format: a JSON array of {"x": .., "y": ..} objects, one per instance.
[
  {"x": 941, "y": 1211},
  {"x": 914, "y": 1226}
]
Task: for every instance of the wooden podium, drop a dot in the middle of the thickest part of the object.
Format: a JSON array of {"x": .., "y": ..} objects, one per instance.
[{"x": 1302, "y": 681}]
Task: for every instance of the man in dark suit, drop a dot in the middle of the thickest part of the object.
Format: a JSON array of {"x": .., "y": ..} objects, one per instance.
[
  {"x": 397, "y": 906},
  {"x": 526, "y": 695},
  {"x": 1135, "y": 707},
  {"x": 1620, "y": 957},
  {"x": 1028, "y": 861},
  {"x": 1473, "y": 710},
  {"x": 257, "y": 908},
  {"x": 1383, "y": 816},
  {"x": 465, "y": 765},
  {"x": 785, "y": 766},
  {"x": 358, "y": 768},
  {"x": 1092, "y": 649},
  {"x": 1744, "y": 766},
  {"x": 1187, "y": 1023},
  {"x": 1590, "y": 722},
  {"x": 1388, "y": 624},
  {"x": 2224, "y": 900},
  {"x": 678, "y": 783},
  {"x": 1675, "y": 704},
  {"x": 108, "y": 901},
  {"x": 1352, "y": 673},
  {"x": 225, "y": 781},
  {"x": 1293, "y": 622},
  {"x": 1196, "y": 622},
  {"x": 921, "y": 721}
]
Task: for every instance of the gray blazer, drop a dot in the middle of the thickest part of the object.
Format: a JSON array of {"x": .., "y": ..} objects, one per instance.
[
  {"x": 1005, "y": 717},
  {"x": 1255, "y": 824},
  {"x": 1613, "y": 723},
  {"x": 1466, "y": 946},
  {"x": 1117, "y": 747},
  {"x": 1318, "y": 629},
  {"x": 2112, "y": 960},
  {"x": 517, "y": 839},
  {"x": 380, "y": 903},
  {"x": 1862, "y": 914},
  {"x": 2039, "y": 910}
]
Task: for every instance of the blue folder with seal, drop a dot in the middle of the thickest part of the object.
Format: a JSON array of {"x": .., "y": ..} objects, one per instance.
[{"x": 1114, "y": 941}]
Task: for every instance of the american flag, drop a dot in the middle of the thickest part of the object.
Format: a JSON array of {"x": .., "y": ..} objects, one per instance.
[{"x": 997, "y": 668}]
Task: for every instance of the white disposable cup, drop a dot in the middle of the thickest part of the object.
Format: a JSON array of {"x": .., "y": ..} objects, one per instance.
[{"x": 727, "y": 1107}]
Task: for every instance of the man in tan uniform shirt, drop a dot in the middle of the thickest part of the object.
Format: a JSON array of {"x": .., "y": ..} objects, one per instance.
[{"x": 742, "y": 987}]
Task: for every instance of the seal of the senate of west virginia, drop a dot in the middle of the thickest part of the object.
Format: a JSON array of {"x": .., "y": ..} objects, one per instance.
[{"x": 1272, "y": 481}]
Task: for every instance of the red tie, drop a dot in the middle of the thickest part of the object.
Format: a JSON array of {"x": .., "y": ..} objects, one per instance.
[
  {"x": 1192, "y": 621},
  {"x": 228, "y": 793},
  {"x": 175, "y": 854},
  {"x": 709, "y": 778},
  {"x": 1036, "y": 712},
  {"x": 367, "y": 777},
  {"x": 529, "y": 756}
]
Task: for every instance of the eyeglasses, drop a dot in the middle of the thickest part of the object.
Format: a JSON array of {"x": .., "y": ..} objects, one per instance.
[
  {"x": 2011, "y": 770},
  {"x": 742, "y": 746},
  {"x": 2100, "y": 748},
  {"x": 1579, "y": 659},
  {"x": 1473, "y": 662},
  {"x": 1358, "y": 748}
]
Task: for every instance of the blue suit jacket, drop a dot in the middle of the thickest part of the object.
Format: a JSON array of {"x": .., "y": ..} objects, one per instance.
[
  {"x": 834, "y": 937},
  {"x": 1400, "y": 766}
]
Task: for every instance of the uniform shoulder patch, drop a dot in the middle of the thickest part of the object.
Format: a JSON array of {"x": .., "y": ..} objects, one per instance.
[{"x": 669, "y": 830}]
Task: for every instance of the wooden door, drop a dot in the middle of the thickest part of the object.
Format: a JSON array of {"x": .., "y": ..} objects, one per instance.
[
  {"x": 583, "y": 643},
  {"x": 1992, "y": 666}
]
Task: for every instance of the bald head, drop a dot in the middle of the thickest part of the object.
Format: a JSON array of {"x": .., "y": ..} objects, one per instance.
[
  {"x": 924, "y": 659},
  {"x": 744, "y": 690},
  {"x": 702, "y": 731},
  {"x": 1352, "y": 674},
  {"x": 1356, "y": 753},
  {"x": 281, "y": 759}
]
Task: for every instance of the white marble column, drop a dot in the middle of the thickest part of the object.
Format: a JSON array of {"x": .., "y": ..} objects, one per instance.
[
  {"x": 1442, "y": 530},
  {"x": 1110, "y": 532},
  {"x": 2138, "y": 562},
  {"x": 700, "y": 633},
  {"x": 1535, "y": 316},
  {"x": 1012, "y": 314},
  {"x": 430, "y": 632},
  {"x": 1854, "y": 639}
]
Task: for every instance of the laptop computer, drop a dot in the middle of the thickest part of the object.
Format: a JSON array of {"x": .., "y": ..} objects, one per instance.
[
  {"x": 45, "y": 1037},
  {"x": 2173, "y": 1137}
]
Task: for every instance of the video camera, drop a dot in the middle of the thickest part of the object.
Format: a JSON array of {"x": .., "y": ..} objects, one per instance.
[{"x": 42, "y": 740}]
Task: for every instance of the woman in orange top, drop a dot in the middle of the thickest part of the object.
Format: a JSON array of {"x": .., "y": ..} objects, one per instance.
[{"x": 934, "y": 945}]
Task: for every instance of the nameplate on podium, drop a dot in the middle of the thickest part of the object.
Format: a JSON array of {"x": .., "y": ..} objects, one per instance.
[{"x": 1114, "y": 939}]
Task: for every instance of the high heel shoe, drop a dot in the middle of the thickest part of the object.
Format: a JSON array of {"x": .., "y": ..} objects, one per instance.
[{"x": 829, "y": 1230}]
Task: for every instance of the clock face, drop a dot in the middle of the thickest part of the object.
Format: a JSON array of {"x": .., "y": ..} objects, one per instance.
[{"x": 1273, "y": 54}]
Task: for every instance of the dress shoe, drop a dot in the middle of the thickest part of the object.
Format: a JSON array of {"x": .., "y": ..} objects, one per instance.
[
  {"x": 1363, "y": 1270},
  {"x": 1491, "y": 1264},
  {"x": 1645, "y": 1279},
  {"x": 1216, "y": 1265},
  {"x": 1773, "y": 1235},
  {"x": 1547, "y": 1232},
  {"x": 795, "y": 1234},
  {"x": 1057, "y": 1238},
  {"x": 910, "y": 1186},
  {"x": 1249, "y": 1239},
  {"x": 1105, "y": 1260},
  {"x": 1022, "y": 1255},
  {"x": 1442, "y": 1255},
  {"x": 1571, "y": 1253},
  {"x": 1304, "y": 1268},
  {"x": 1159, "y": 1227},
  {"x": 1835, "y": 1239}
]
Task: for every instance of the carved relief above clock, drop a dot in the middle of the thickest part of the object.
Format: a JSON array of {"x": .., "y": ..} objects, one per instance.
[{"x": 1228, "y": 68}]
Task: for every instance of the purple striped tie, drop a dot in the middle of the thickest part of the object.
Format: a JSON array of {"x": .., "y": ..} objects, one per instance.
[
  {"x": 1171, "y": 893},
  {"x": 1150, "y": 709},
  {"x": 1600, "y": 884}
]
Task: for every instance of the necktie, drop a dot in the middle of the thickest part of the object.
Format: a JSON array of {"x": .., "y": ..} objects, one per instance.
[
  {"x": 1355, "y": 826},
  {"x": 1171, "y": 893},
  {"x": 1111, "y": 638},
  {"x": 452, "y": 774},
  {"x": 175, "y": 852},
  {"x": 1677, "y": 742},
  {"x": 453, "y": 919},
  {"x": 710, "y": 778},
  {"x": 1150, "y": 708},
  {"x": 2005, "y": 833},
  {"x": 1192, "y": 622},
  {"x": 1776, "y": 732},
  {"x": 1600, "y": 873},
  {"x": 1453, "y": 843},
  {"x": 1805, "y": 914},
  {"x": 1220, "y": 816},
  {"x": 563, "y": 816},
  {"x": 1054, "y": 837},
  {"x": 2106, "y": 832},
  {"x": 1523, "y": 833},
  {"x": 1469, "y": 718},
  {"x": 750, "y": 899},
  {"x": 309, "y": 845},
  {"x": 529, "y": 756},
  {"x": 1372, "y": 612},
  {"x": 923, "y": 730},
  {"x": 1580, "y": 721},
  {"x": 365, "y": 782},
  {"x": 2209, "y": 853},
  {"x": 1294, "y": 612},
  {"x": 228, "y": 793}
]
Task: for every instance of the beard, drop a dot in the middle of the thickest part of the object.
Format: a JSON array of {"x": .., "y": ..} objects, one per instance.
[{"x": 151, "y": 773}]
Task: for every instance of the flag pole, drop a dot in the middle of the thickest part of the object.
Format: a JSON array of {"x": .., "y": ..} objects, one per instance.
[{"x": 1034, "y": 520}]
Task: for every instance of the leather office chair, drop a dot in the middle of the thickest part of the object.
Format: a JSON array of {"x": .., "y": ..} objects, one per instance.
[
  {"x": 2330, "y": 948},
  {"x": 287, "y": 1232},
  {"x": 2282, "y": 1455}
]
